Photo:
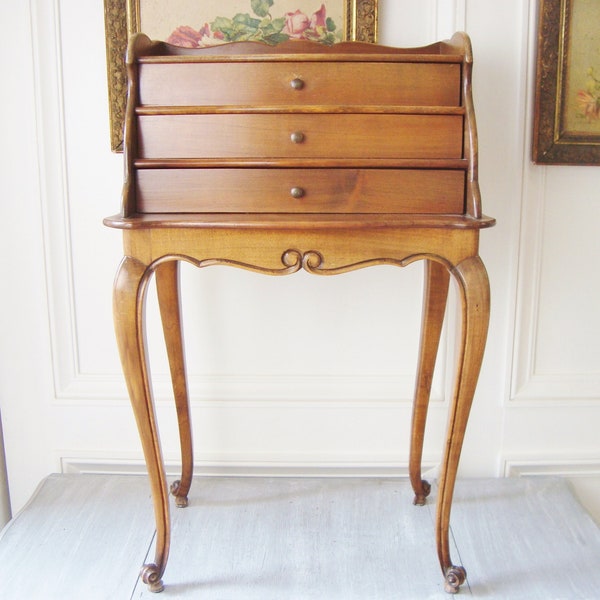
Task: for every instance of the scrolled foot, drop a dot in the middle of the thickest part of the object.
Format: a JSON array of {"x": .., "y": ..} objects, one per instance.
[
  {"x": 455, "y": 577},
  {"x": 420, "y": 496},
  {"x": 151, "y": 577},
  {"x": 181, "y": 501}
]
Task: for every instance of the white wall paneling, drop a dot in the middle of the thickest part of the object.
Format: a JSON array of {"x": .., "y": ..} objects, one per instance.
[
  {"x": 557, "y": 350},
  {"x": 25, "y": 377},
  {"x": 553, "y": 412},
  {"x": 406, "y": 23},
  {"x": 297, "y": 374}
]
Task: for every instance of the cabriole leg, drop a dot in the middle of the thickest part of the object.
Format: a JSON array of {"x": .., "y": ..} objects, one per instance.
[
  {"x": 128, "y": 306},
  {"x": 435, "y": 294},
  {"x": 167, "y": 285},
  {"x": 474, "y": 289}
]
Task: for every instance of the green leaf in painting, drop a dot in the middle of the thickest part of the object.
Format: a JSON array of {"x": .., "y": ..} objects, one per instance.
[
  {"x": 246, "y": 20},
  {"x": 261, "y": 7},
  {"x": 276, "y": 38},
  {"x": 270, "y": 27},
  {"x": 278, "y": 24},
  {"x": 222, "y": 24}
]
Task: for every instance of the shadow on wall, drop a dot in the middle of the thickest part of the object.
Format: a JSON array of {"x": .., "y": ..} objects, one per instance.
[{"x": 5, "y": 513}]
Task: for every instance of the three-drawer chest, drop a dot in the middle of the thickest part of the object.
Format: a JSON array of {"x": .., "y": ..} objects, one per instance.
[{"x": 300, "y": 156}]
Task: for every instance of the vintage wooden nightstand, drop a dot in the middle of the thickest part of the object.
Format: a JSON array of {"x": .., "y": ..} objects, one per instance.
[{"x": 300, "y": 156}]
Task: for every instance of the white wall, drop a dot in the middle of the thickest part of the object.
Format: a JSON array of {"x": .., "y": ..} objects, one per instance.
[{"x": 300, "y": 374}]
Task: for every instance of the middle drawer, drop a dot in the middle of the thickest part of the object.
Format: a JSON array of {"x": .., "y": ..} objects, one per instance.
[{"x": 300, "y": 136}]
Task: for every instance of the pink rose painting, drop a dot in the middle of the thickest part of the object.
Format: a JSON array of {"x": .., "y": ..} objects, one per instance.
[
  {"x": 260, "y": 26},
  {"x": 296, "y": 24},
  {"x": 188, "y": 37}
]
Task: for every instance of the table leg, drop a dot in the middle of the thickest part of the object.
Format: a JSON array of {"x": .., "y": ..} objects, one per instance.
[
  {"x": 473, "y": 284},
  {"x": 435, "y": 294},
  {"x": 167, "y": 285},
  {"x": 128, "y": 305}
]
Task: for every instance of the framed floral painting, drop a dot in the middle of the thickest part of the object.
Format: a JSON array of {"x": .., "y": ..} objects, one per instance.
[
  {"x": 195, "y": 24},
  {"x": 567, "y": 102}
]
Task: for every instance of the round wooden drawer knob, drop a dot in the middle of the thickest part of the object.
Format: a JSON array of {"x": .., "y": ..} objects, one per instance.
[
  {"x": 297, "y": 137},
  {"x": 297, "y": 192},
  {"x": 297, "y": 83}
]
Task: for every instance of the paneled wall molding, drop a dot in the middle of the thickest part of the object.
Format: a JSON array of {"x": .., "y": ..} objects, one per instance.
[
  {"x": 530, "y": 244},
  {"x": 528, "y": 382},
  {"x": 54, "y": 190},
  {"x": 405, "y": 23},
  {"x": 450, "y": 16},
  {"x": 445, "y": 18},
  {"x": 367, "y": 389},
  {"x": 258, "y": 466},
  {"x": 552, "y": 466},
  {"x": 558, "y": 388}
]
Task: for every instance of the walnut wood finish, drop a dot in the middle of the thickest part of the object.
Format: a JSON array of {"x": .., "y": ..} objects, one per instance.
[
  {"x": 300, "y": 136},
  {"x": 286, "y": 191},
  {"x": 435, "y": 294},
  {"x": 281, "y": 159},
  {"x": 167, "y": 287},
  {"x": 299, "y": 84}
]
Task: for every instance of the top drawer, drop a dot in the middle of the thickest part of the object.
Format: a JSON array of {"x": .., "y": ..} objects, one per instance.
[{"x": 299, "y": 83}]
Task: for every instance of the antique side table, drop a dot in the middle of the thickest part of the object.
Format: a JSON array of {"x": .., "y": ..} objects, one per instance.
[{"x": 300, "y": 156}]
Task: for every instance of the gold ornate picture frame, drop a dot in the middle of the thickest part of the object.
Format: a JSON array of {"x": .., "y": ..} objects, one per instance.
[
  {"x": 310, "y": 19},
  {"x": 567, "y": 100}
]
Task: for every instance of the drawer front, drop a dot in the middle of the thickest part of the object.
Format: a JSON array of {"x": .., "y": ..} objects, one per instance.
[
  {"x": 300, "y": 136},
  {"x": 228, "y": 190},
  {"x": 296, "y": 83}
]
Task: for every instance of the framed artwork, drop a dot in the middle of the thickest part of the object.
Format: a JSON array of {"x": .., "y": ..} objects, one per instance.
[
  {"x": 197, "y": 24},
  {"x": 567, "y": 99}
]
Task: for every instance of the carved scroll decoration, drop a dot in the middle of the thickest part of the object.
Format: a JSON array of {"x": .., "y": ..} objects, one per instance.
[{"x": 311, "y": 261}]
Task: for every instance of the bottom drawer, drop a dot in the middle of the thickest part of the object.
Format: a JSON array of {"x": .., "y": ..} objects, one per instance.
[{"x": 246, "y": 190}]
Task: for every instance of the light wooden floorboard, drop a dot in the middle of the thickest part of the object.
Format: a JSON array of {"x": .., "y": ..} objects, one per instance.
[
  {"x": 323, "y": 539},
  {"x": 80, "y": 536},
  {"x": 85, "y": 537},
  {"x": 526, "y": 539}
]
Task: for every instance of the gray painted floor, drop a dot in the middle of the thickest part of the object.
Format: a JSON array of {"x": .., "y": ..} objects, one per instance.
[{"x": 85, "y": 537}]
